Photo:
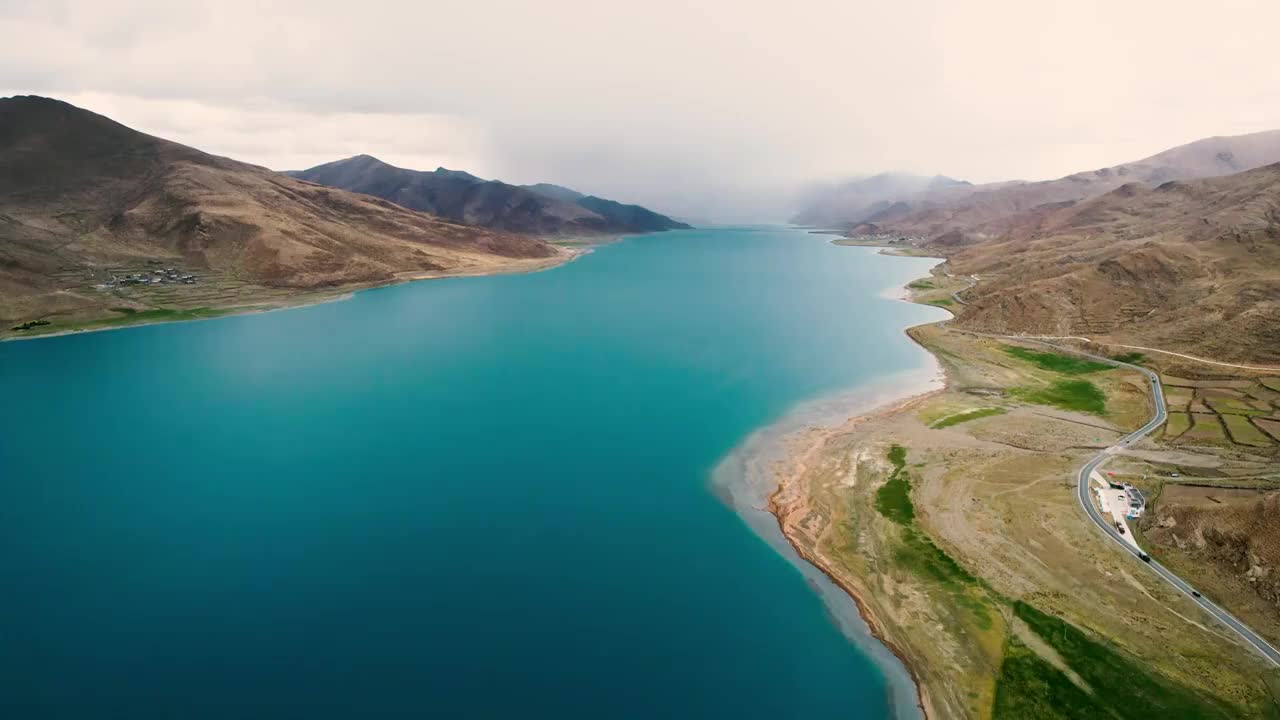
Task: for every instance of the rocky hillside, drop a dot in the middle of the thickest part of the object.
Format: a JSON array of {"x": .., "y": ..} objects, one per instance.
[
  {"x": 984, "y": 211},
  {"x": 1185, "y": 265},
  {"x": 541, "y": 209},
  {"x": 80, "y": 194},
  {"x": 1239, "y": 542}
]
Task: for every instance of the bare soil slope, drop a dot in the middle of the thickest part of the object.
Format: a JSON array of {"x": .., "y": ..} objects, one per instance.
[
  {"x": 1193, "y": 266},
  {"x": 80, "y": 192}
]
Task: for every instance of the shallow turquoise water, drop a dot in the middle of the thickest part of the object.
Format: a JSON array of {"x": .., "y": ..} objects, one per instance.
[{"x": 481, "y": 497}]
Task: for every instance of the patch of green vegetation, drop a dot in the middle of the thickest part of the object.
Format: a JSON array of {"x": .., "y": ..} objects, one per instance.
[
  {"x": 922, "y": 285},
  {"x": 1271, "y": 383},
  {"x": 893, "y": 499},
  {"x": 1028, "y": 687},
  {"x": 1133, "y": 358},
  {"x": 28, "y": 325},
  {"x": 944, "y": 302},
  {"x": 918, "y": 553},
  {"x": 966, "y": 416},
  {"x": 1206, "y": 426},
  {"x": 1079, "y": 395},
  {"x": 1243, "y": 432},
  {"x": 1056, "y": 362}
]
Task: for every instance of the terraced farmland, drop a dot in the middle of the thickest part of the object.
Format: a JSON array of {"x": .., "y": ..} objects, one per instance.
[{"x": 1235, "y": 412}]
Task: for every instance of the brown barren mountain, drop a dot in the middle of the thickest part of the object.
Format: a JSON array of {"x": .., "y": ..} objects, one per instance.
[
  {"x": 83, "y": 197},
  {"x": 1187, "y": 266}
]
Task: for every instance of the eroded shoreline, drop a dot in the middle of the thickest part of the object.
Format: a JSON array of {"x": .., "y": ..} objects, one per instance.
[{"x": 751, "y": 477}]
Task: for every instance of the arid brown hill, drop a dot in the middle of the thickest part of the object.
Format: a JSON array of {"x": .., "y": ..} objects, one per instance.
[
  {"x": 80, "y": 192},
  {"x": 541, "y": 209},
  {"x": 983, "y": 211},
  {"x": 1238, "y": 541},
  {"x": 1191, "y": 266}
]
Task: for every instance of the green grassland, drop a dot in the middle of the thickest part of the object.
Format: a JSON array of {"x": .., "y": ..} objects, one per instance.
[
  {"x": 918, "y": 554},
  {"x": 1029, "y": 687},
  {"x": 1243, "y": 432},
  {"x": 1057, "y": 362},
  {"x": 1079, "y": 395}
]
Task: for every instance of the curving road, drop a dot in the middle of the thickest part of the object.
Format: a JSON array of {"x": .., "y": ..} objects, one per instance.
[{"x": 1086, "y": 502}]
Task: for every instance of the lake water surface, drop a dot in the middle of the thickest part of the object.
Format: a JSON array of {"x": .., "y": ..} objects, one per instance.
[{"x": 480, "y": 497}]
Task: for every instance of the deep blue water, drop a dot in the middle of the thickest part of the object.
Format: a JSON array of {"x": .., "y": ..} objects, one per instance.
[{"x": 481, "y": 497}]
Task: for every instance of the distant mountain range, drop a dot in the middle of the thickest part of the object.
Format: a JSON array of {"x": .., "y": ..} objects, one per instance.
[
  {"x": 541, "y": 209},
  {"x": 966, "y": 212},
  {"x": 1180, "y": 250},
  {"x": 82, "y": 197}
]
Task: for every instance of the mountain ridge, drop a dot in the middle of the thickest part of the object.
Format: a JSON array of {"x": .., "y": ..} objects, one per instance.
[
  {"x": 983, "y": 211},
  {"x": 540, "y": 209},
  {"x": 83, "y": 197},
  {"x": 1191, "y": 265}
]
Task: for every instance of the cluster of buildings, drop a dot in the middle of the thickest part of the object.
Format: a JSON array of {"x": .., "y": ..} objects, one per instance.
[
  {"x": 155, "y": 277},
  {"x": 1129, "y": 499}
]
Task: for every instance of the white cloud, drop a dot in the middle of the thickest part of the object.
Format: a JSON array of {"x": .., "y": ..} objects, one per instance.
[
  {"x": 691, "y": 106},
  {"x": 284, "y": 137}
]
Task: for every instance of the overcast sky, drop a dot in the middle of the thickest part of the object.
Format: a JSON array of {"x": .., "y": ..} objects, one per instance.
[{"x": 711, "y": 110}]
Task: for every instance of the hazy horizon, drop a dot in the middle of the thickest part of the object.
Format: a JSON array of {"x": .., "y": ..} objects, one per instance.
[{"x": 720, "y": 112}]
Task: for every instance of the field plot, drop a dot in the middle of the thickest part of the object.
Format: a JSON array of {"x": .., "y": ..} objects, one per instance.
[
  {"x": 1205, "y": 427},
  {"x": 1271, "y": 426},
  {"x": 1179, "y": 422},
  {"x": 1178, "y": 398},
  {"x": 1244, "y": 433},
  {"x": 1222, "y": 412},
  {"x": 1234, "y": 406}
]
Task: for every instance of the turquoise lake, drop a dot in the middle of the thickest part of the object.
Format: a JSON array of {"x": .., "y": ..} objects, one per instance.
[{"x": 476, "y": 497}]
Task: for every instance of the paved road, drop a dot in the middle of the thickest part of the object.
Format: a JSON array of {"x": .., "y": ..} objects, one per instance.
[{"x": 1086, "y": 502}]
